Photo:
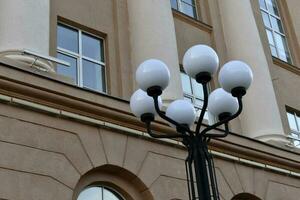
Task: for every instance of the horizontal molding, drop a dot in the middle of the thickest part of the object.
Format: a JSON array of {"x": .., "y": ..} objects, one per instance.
[
  {"x": 194, "y": 22},
  {"x": 96, "y": 122},
  {"x": 287, "y": 66}
]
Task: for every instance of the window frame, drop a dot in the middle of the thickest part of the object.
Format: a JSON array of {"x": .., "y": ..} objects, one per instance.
[
  {"x": 80, "y": 57},
  {"x": 295, "y": 115},
  {"x": 180, "y": 8},
  {"x": 273, "y": 31}
]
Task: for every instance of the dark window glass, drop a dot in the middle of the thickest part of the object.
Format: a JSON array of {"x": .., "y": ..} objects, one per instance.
[
  {"x": 93, "y": 76},
  {"x": 276, "y": 24},
  {"x": 262, "y": 4},
  {"x": 185, "y": 82},
  {"x": 68, "y": 71},
  {"x": 91, "y": 47},
  {"x": 197, "y": 89},
  {"x": 67, "y": 38},
  {"x": 272, "y": 7},
  {"x": 188, "y": 9},
  {"x": 282, "y": 47},
  {"x": 191, "y": 2},
  {"x": 266, "y": 19},
  {"x": 174, "y": 4}
]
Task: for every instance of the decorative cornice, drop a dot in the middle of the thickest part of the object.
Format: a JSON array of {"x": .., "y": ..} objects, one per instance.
[
  {"x": 194, "y": 22},
  {"x": 68, "y": 101},
  {"x": 287, "y": 66}
]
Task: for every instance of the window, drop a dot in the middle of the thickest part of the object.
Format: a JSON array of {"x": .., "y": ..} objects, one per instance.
[
  {"x": 99, "y": 193},
  {"x": 275, "y": 31},
  {"x": 85, "y": 53},
  {"x": 193, "y": 92},
  {"x": 187, "y": 7},
  {"x": 294, "y": 123}
]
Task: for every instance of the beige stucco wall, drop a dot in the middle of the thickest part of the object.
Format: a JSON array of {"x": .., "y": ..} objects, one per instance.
[
  {"x": 285, "y": 85},
  {"x": 293, "y": 10},
  {"x": 44, "y": 157},
  {"x": 24, "y": 24},
  {"x": 105, "y": 18}
]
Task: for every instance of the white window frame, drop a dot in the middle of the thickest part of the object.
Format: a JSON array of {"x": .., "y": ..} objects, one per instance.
[
  {"x": 296, "y": 140},
  {"x": 180, "y": 7},
  {"x": 273, "y": 31},
  {"x": 80, "y": 57}
]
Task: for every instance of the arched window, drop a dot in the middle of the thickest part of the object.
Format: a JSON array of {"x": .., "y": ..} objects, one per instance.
[
  {"x": 245, "y": 196},
  {"x": 99, "y": 193}
]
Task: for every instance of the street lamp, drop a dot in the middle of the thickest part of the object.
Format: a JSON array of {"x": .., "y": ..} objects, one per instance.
[{"x": 200, "y": 62}]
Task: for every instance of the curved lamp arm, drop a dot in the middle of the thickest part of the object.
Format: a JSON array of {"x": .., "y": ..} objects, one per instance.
[
  {"x": 163, "y": 116},
  {"x": 204, "y": 107},
  {"x": 222, "y": 135},
  {"x": 148, "y": 126},
  {"x": 226, "y": 120}
]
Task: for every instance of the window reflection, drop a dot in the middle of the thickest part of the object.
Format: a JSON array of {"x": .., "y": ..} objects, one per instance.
[
  {"x": 70, "y": 71},
  {"x": 99, "y": 193},
  {"x": 67, "y": 38}
]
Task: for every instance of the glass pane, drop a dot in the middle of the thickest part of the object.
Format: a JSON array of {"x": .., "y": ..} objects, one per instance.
[
  {"x": 273, "y": 51},
  {"x": 270, "y": 37},
  {"x": 67, "y": 38},
  {"x": 298, "y": 123},
  {"x": 174, "y": 4},
  {"x": 93, "y": 76},
  {"x": 93, "y": 193},
  {"x": 109, "y": 195},
  {"x": 191, "y": 2},
  {"x": 276, "y": 24},
  {"x": 197, "y": 89},
  {"x": 198, "y": 112},
  {"x": 186, "y": 84},
  {"x": 281, "y": 47},
  {"x": 92, "y": 47},
  {"x": 189, "y": 99},
  {"x": 68, "y": 71},
  {"x": 188, "y": 9},
  {"x": 272, "y": 7},
  {"x": 199, "y": 103},
  {"x": 266, "y": 19},
  {"x": 292, "y": 121},
  {"x": 262, "y": 4}
]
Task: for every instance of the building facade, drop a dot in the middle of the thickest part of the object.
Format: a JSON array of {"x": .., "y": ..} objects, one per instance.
[{"x": 67, "y": 71}]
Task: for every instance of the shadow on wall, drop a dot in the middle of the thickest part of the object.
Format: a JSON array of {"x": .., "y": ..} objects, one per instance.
[{"x": 245, "y": 196}]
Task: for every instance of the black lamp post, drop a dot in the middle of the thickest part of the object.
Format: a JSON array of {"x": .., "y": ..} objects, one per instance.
[{"x": 200, "y": 62}]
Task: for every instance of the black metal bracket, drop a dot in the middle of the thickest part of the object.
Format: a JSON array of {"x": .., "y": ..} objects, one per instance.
[{"x": 200, "y": 170}]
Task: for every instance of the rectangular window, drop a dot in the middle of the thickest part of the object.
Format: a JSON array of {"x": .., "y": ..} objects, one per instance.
[
  {"x": 274, "y": 28},
  {"x": 193, "y": 92},
  {"x": 294, "y": 123},
  {"x": 85, "y": 53},
  {"x": 187, "y": 7}
]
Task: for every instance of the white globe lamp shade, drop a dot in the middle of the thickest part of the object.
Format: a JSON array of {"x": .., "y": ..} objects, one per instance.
[
  {"x": 141, "y": 103},
  {"x": 200, "y": 58},
  {"x": 220, "y": 102},
  {"x": 152, "y": 73},
  {"x": 181, "y": 111},
  {"x": 235, "y": 74}
]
